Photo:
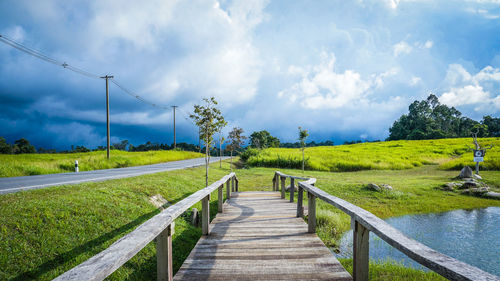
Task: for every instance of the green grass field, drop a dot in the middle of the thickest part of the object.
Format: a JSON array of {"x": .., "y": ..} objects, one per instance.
[
  {"x": 450, "y": 154},
  {"x": 37, "y": 164},
  {"x": 45, "y": 232}
]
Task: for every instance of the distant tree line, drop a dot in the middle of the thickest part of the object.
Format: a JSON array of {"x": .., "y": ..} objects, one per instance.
[
  {"x": 360, "y": 141},
  {"x": 23, "y": 146},
  {"x": 309, "y": 144},
  {"x": 263, "y": 139},
  {"x": 429, "y": 119},
  {"x": 20, "y": 146}
]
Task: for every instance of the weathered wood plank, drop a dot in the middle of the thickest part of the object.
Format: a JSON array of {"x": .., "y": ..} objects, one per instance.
[
  {"x": 311, "y": 217},
  {"x": 205, "y": 215},
  {"x": 220, "y": 199},
  {"x": 300, "y": 201},
  {"x": 360, "y": 252},
  {"x": 164, "y": 269},
  {"x": 259, "y": 237},
  {"x": 282, "y": 179}
]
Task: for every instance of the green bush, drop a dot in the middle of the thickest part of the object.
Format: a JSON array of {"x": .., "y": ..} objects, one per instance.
[{"x": 245, "y": 155}]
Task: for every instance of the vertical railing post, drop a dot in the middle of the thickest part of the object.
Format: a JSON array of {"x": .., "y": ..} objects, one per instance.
[
  {"x": 292, "y": 189},
  {"x": 274, "y": 182},
  {"x": 228, "y": 190},
  {"x": 311, "y": 213},
  {"x": 220, "y": 198},
  {"x": 164, "y": 269},
  {"x": 205, "y": 215},
  {"x": 300, "y": 198},
  {"x": 282, "y": 187},
  {"x": 360, "y": 251},
  {"x": 236, "y": 183},
  {"x": 232, "y": 184}
]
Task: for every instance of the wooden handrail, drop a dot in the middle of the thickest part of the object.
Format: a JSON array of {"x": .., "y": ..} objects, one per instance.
[
  {"x": 364, "y": 221},
  {"x": 106, "y": 262}
]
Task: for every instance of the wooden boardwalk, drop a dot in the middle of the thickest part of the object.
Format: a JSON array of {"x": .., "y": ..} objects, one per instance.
[{"x": 259, "y": 237}]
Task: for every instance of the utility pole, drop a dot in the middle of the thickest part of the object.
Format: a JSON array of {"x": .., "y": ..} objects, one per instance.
[
  {"x": 175, "y": 144},
  {"x": 107, "y": 77}
]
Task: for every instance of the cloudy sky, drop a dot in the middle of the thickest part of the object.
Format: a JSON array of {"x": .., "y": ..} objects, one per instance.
[{"x": 345, "y": 70}]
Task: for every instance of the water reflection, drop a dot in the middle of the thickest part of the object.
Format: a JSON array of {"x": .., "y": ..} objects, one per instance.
[{"x": 471, "y": 236}]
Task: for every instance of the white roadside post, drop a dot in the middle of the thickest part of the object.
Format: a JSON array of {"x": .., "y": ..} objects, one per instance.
[{"x": 76, "y": 166}]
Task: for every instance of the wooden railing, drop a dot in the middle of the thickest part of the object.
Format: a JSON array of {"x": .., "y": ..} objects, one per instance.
[
  {"x": 363, "y": 222},
  {"x": 160, "y": 227}
]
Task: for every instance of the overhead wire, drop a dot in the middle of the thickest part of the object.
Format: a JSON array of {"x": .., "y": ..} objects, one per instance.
[
  {"x": 44, "y": 57},
  {"x": 80, "y": 71},
  {"x": 133, "y": 94}
]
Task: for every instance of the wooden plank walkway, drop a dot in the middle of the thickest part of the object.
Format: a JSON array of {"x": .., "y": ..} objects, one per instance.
[{"x": 259, "y": 237}]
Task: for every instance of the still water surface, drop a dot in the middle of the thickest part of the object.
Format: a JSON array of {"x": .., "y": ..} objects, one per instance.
[{"x": 471, "y": 236}]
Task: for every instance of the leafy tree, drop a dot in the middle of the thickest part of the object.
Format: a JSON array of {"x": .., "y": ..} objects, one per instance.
[
  {"x": 263, "y": 139},
  {"x": 121, "y": 145},
  {"x": 5, "y": 148},
  {"x": 23, "y": 146},
  {"x": 210, "y": 120},
  {"x": 236, "y": 140},
  {"x": 493, "y": 125},
  {"x": 429, "y": 119},
  {"x": 79, "y": 148},
  {"x": 302, "y": 139}
]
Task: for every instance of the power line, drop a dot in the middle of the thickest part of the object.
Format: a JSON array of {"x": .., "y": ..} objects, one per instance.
[
  {"x": 77, "y": 70},
  {"x": 44, "y": 57},
  {"x": 133, "y": 94}
]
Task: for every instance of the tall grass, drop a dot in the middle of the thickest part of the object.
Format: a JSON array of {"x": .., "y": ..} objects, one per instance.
[
  {"x": 38, "y": 164},
  {"x": 451, "y": 154}
]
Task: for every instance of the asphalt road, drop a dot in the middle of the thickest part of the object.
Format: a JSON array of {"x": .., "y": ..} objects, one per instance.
[{"x": 15, "y": 184}]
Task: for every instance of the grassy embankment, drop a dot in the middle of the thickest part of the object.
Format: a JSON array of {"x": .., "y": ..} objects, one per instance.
[
  {"x": 395, "y": 155},
  {"x": 38, "y": 164},
  {"x": 46, "y": 232}
]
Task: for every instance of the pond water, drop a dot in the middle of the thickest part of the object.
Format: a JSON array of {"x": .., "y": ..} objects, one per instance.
[{"x": 471, "y": 236}]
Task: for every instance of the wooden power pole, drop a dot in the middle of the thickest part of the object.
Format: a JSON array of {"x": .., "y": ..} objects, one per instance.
[
  {"x": 107, "y": 77},
  {"x": 175, "y": 144}
]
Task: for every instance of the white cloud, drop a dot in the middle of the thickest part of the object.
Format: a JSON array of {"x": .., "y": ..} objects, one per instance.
[
  {"x": 401, "y": 48},
  {"x": 380, "y": 78},
  {"x": 484, "y": 12},
  {"x": 425, "y": 45},
  {"x": 470, "y": 94},
  {"x": 322, "y": 87},
  {"x": 415, "y": 80},
  {"x": 217, "y": 56},
  {"x": 136, "y": 22},
  {"x": 457, "y": 74},
  {"x": 468, "y": 89},
  {"x": 393, "y": 4},
  {"x": 488, "y": 73}
]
